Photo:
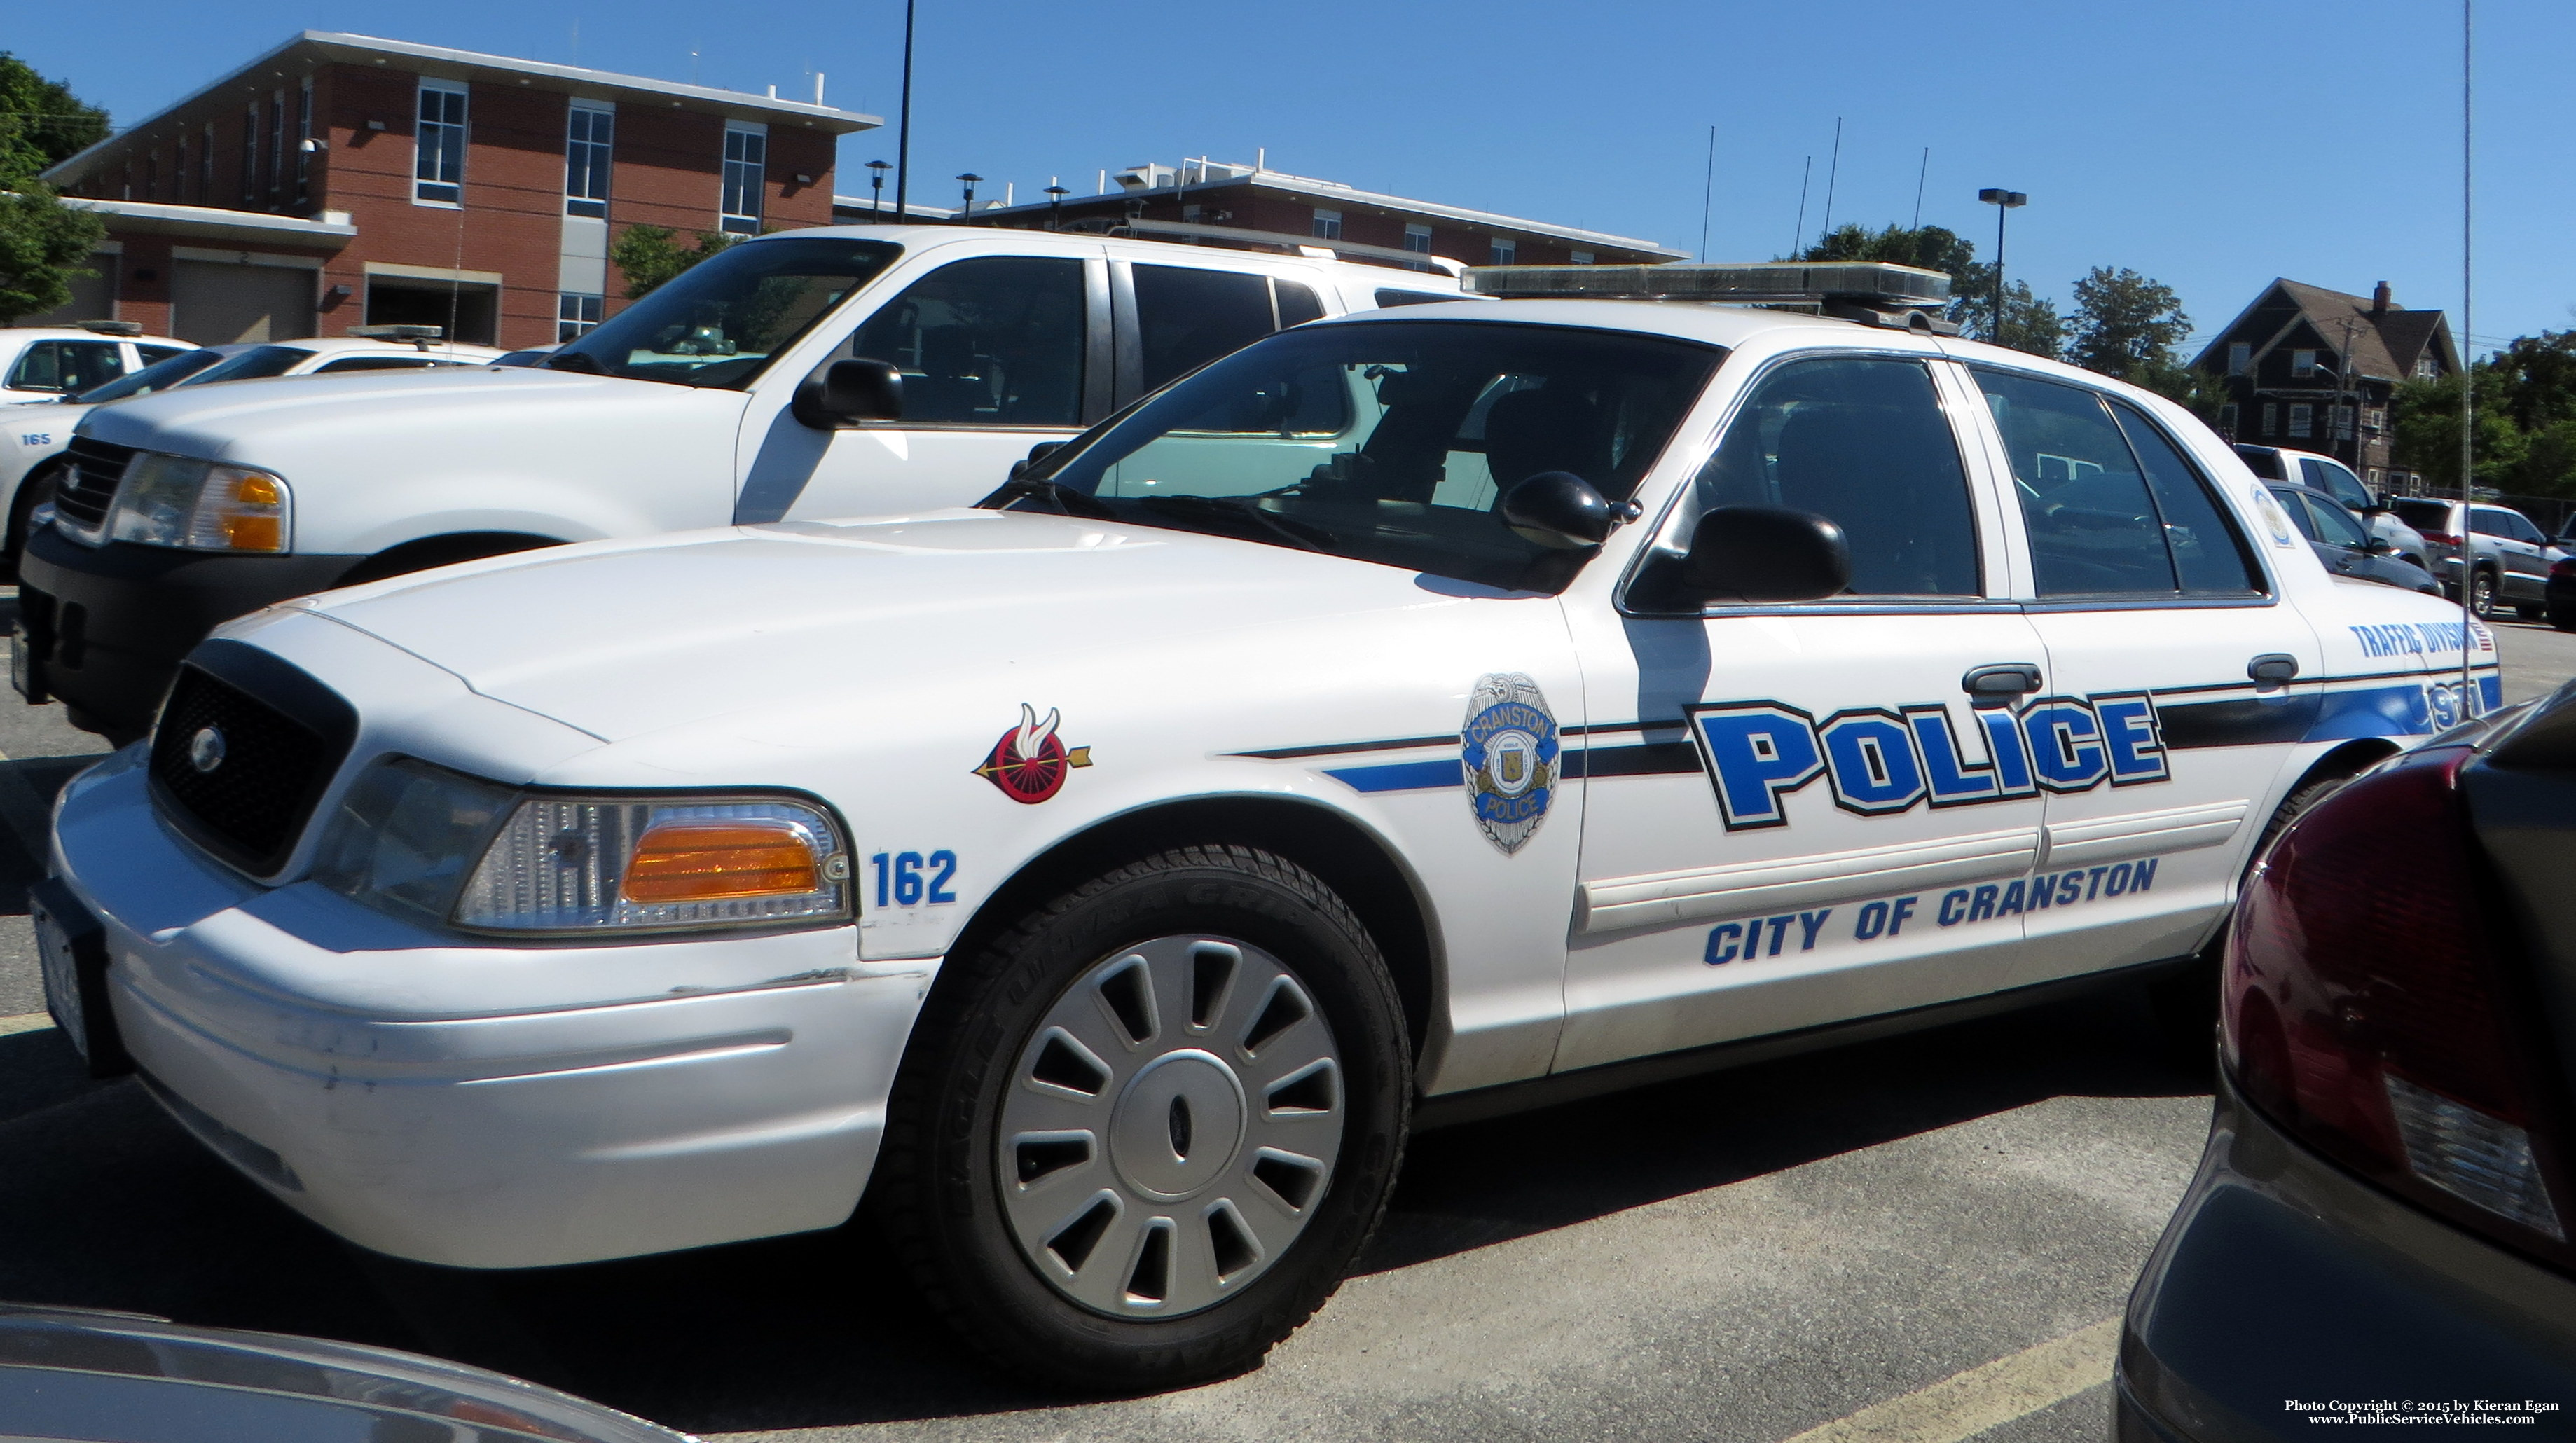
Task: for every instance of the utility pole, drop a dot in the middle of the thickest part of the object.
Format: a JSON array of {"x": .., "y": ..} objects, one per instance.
[
  {"x": 903, "y": 141},
  {"x": 2004, "y": 202}
]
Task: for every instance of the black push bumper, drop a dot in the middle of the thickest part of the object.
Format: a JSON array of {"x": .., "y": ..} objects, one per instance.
[
  {"x": 105, "y": 627},
  {"x": 2285, "y": 1286}
]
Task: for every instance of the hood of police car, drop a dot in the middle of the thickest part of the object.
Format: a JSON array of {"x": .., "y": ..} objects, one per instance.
[
  {"x": 301, "y": 425},
  {"x": 626, "y": 638}
]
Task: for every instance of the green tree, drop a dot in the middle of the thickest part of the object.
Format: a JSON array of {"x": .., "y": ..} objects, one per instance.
[
  {"x": 648, "y": 255},
  {"x": 42, "y": 242},
  {"x": 2426, "y": 418},
  {"x": 41, "y": 122},
  {"x": 2125, "y": 325},
  {"x": 2536, "y": 378},
  {"x": 2199, "y": 392},
  {"x": 1931, "y": 247},
  {"x": 2031, "y": 322}
]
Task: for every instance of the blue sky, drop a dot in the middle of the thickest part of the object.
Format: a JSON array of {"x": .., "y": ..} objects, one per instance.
[{"x": 2211, "y": 146}]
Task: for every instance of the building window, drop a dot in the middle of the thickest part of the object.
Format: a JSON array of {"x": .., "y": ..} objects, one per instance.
[
  {"x": 1580, "y": 258},
  {"x": 2271, "y": 419},
  {"x": 2374, "y": 419},
  {"x": 438, "y": 146},
  {"x": 152, "y": 173},
  {"x": 2227, "y": 420},
  {"x": 2427, "y": 368},
  {"x": 2376, "y": 476},
  {"x": 1327, "y": 224},
  {"x": 206, "y": 164},
  {"x": 2343, "y": 423},
  {"x": 276, "y": 140},
  {"x": 1417, "y": 239},
  {"x": 2240, "y": 357},
  {"x": 304, "y": 144},
  {"x": 1501, "y": 251},
  {"x": 589, "y": 140},
  {"x": 2302, "y": 420},
  {"x": 575, "y": 314},
  {"x": 179, "y": 167},
  {"x": 2303, "y": 364},
  {"x": 746, "y": 161},
  {"x": 250, "y": 152}
]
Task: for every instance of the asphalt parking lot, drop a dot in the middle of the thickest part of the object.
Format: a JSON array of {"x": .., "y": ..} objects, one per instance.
[{"x": 1926, "y": 1232}]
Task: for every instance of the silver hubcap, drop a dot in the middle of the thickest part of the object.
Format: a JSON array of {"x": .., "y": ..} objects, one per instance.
[{"x": 1170, "y": 1127}]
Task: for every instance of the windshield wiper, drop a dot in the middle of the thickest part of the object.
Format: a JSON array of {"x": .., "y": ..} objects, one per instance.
[
  {"x": 1305, "y": 536},
  {"x": 1067, "y": 500}
]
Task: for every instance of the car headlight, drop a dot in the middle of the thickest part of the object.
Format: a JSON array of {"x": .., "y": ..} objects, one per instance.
[
  {"x": 201, "y": 506},
  {"x": 436, "y": 845}
]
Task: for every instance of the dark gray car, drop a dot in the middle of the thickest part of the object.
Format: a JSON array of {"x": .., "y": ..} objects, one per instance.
[
  {"x": 2379, "y": 1229},
  {"x": 2511, "y": 556},
  {"x": 125, "y": 1378},
  {"x": 2345, "y": 546}
]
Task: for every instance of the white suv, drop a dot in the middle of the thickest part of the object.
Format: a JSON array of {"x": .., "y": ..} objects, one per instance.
[
  {"x": 809, "y": 374},
  {"x": 35, "y": 437}
]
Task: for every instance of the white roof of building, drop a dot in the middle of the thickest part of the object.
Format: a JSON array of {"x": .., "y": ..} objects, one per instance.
[{"x": 474, "y": 65}]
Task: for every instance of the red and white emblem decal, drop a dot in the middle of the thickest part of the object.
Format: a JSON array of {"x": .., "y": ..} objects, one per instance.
[{"x": 1028, "y": 762}]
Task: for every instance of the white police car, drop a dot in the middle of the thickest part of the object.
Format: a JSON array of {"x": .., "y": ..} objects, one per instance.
[{"x": 1406, "y": 718}]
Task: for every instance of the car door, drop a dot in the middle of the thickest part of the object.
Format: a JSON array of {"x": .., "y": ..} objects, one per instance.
[
  {"x": 1794, "y": 813},
  {"x": 998, "y": 353},
  {"x": 2162, "y": 751},
  {"x": 2520, "y": 549}
]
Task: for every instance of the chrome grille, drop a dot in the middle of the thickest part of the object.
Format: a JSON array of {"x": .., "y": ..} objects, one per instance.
[{"x": 88, "y": 486}]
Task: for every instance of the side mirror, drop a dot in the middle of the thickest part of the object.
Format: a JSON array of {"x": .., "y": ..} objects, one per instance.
[
  {"x": 1766, "y": 553},
  {"x": 1560, "y": 510},
  {"x": 1037, "y": 453},
  {"x": 2378, "y": 546},
  {"x": 845, "y": 393}
]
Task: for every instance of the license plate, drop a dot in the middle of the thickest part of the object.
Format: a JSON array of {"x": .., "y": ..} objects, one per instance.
[{"x": 62, "y": 978}]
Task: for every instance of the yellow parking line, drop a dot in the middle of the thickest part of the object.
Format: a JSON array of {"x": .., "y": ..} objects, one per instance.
[
  {"x": 1989, "y": 1395},
  {"x": 25, "y": 1022}
]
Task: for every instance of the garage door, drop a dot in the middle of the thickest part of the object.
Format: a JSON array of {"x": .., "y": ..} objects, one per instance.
[
  {"x": 214, "y": 304},
  {"x": 93, "y": 296}
]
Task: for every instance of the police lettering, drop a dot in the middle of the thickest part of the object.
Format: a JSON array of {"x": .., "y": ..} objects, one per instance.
[{"x": 1879, "y": 761}]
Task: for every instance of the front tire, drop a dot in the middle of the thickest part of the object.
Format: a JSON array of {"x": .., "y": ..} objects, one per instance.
[
  {"x": 2482, "y": 597},
  {"x": 1140, "y": 1136}
]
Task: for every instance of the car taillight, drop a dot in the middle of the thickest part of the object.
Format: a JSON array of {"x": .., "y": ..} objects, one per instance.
[
  {"x": 2563, "y": 566},
  {"x": 2444, "y": 537},
  {"x": 2367, "y": 1014}
]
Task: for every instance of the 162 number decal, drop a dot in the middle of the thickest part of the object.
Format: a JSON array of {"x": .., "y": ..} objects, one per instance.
[{"x": 908, "y": 879}]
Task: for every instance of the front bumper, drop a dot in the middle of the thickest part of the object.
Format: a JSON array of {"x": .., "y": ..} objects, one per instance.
[
  {"x": 487, "y": 1106},
  {"x": 107, "y": 625},
  {"x": 2285, "y": 1281}
]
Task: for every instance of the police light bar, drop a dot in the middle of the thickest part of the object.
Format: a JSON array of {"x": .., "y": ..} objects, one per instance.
[
  {"x": 1872, "y": 292},
  {"x": 419, "y": 336},
  {"x": 112, "y": 328}
]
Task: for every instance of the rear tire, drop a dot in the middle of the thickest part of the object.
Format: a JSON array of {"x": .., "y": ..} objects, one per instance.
[
  {"x": 1016, "y": 1167},
  {"x": 2482, "y": 597}
]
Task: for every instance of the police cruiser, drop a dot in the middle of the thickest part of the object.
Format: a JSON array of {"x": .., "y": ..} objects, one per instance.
[{"x": 1409, "y": 717}]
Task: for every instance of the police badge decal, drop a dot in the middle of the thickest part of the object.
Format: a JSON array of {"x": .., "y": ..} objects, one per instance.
[{"x": 1509, "y": 751}]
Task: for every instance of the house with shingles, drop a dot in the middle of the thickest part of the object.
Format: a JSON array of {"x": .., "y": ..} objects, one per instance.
[{"x": 2314, "y": 369}]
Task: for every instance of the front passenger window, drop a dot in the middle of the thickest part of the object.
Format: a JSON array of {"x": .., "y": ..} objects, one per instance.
[
  {"x": 1862, "y": 440},
  {"x": 992, "y": 342}
]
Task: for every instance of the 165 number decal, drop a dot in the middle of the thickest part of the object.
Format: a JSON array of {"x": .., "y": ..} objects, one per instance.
[{"x": 908, "y": 879}]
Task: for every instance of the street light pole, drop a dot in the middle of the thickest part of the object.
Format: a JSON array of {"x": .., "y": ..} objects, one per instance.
[
  {"x": 2004, "y": 202},
  {"x": 966, "y": 211},
  {"x": 903, "y": 141},
  {"x": 1055, "y": 195},
  {"x": 876, "y": 186}
]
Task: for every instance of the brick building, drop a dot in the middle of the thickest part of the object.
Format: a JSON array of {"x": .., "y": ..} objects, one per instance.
[
  {"x": 2314, "y": 370},
  {"x": 341, "y": 180},
  {"x": 1169, "y": 201}
]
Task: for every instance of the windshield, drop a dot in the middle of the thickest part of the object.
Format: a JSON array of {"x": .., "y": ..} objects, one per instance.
[
  {"x": 718, "y": 322},
  {"x": 1392, "y": 442},
  {"x": 253, "y": 364},
  {"x": 151, "y": 378}
]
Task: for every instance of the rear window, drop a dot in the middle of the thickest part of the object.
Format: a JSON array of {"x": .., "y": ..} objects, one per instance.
[
  {"x": 253, "y": 364},
  {"x": 151, "y": 378},
  {"x": 2424, "y": 515}
]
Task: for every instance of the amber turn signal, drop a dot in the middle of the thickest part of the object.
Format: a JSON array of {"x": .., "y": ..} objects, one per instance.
[{"x": 708, "y": 861}]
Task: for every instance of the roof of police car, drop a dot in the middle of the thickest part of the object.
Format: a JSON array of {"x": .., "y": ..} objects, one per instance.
[{"x": 1715, "y": 325}]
